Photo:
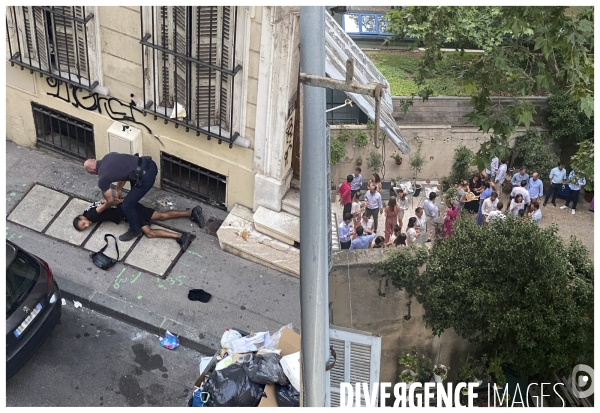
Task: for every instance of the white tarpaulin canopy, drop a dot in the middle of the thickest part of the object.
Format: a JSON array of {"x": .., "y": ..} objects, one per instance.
[{"x": 339, "y": 47}]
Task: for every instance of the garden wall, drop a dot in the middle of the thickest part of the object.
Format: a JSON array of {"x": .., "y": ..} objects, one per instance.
[{"x": 355, "y": 303}]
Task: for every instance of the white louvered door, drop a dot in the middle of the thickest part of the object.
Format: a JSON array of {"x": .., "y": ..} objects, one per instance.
[{"x": 358, "y": 361}]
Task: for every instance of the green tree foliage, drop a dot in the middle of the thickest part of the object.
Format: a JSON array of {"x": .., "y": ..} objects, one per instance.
[
  {"x": 526, "y": 50},
  {"x": 337, "y": 151},
  {"x": 532, "y": 151},
  {"x": 583, "y": 163},
  {"x": 496, "y": 146},
  {"x": 463, "y": 157},
  {"x": 534, "y": 309},
  {"x": 566, "y": 123}
]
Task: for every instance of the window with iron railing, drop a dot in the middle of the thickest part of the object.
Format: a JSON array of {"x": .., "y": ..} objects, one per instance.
[
  {"x": 58, "y": 42},
  {"x": 188, "y": 58}
]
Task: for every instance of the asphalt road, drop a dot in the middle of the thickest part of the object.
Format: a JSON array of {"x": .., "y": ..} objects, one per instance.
[{"x": 94, "y": 360}]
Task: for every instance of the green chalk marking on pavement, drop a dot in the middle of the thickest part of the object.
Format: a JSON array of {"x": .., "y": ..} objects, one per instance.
[
  {"x": 136, "y": 277},
  {"x": 24, "y": 184},
  {"x": 139, "y": 297},
  {"x": 187, "y": 265},
  {"x": 192, "y": 252},
  {"x": 121, "y": 273},
  {"x": 13, "y": 194}
]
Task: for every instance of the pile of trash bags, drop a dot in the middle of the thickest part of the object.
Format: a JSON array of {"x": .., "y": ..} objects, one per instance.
[{"x": 247, "y": 370}]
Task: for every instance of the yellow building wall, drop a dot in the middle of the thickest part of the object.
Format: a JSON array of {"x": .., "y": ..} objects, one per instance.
[{"x": 119, "y": 32}]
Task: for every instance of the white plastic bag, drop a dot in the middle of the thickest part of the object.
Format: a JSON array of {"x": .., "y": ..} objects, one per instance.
[
  {"x": 250, "y": 343},
  {"x": 228, "y": 337},
  {"x": 291, "y": 368},
  {"x": 274, "y": 338}
]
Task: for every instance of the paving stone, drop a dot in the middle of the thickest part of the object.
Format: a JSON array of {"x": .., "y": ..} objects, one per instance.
[
  {"x": 62, "y": 228},
  {"x": 38, "y": 208},
  {"x": 97, "y": 240},
  {"x": 154, "y": 255}
]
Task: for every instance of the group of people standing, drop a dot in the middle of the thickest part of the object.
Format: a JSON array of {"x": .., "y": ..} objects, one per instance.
[{"x": 479, "y": 195}]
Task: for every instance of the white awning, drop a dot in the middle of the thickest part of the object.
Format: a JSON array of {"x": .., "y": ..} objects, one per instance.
[{"x": 339, "y": 47}]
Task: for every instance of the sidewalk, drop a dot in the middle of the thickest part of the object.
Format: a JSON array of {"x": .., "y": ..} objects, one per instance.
[{"x": 245, "y": 295}]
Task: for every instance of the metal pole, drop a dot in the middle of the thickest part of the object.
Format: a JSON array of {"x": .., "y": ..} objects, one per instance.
[{"x": 314, "y": 222}]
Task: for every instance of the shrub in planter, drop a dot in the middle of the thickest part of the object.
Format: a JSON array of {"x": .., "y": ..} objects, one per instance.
[
  {"x": 358, "y": 161},
  {"x": 396, "y": 157},
  {"x": 374, "y": 161},
  {"x": 337, "y": 151}
]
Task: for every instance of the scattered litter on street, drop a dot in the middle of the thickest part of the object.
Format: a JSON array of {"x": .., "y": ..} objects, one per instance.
[
  {"x": 251, "y": 370},
  {"x": 63, "y": 301},
  {"x": 169, "y": 341},
  {"x": 77, "y": 304}
]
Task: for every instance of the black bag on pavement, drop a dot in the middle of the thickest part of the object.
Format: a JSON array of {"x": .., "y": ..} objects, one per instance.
[
  {"x": 266, "y": 369},
  {"x": 231, "y": 387},
  {"x": 287, "y": 396},
  {"x": 102, "y": 260}
]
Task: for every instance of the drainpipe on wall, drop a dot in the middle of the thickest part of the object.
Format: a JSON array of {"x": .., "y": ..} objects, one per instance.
[{"x": 314, "y": 222}]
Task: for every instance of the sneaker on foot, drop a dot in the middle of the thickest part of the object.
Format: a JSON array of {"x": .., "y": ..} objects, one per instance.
[
  {"x": 572, "y": 212},
  {"x": 197, "y": 216},
  {"x": 184, "y": 240},
  {"x": 554, "y": 203},
  {"x": 129, "y": 235},
  {"x": 544, "y": 204},
  {"x": 564, "y": 207}
]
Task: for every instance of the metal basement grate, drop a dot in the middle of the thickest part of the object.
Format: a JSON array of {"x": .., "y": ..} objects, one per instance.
[
  {"x": 63, "y": 134},
  {"x": 193, "y": 180}
]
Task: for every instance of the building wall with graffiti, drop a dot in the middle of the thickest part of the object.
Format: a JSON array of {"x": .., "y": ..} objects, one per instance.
[{"x": 255, "y": 114}]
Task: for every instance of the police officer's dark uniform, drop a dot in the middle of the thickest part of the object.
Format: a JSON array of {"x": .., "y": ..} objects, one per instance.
[{"x": 139, "y": 171}]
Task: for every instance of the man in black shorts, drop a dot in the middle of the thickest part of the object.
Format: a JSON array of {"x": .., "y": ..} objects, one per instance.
[
  {"x": 100, "y": 211},
  {"x": 120, "y": 168}
]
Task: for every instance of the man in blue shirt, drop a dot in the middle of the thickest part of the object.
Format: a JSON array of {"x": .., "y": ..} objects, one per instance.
[
  {"x": 361, "y": 242},
  {"x": 344, "y": 232},
  {"x": 575, "y": 190},
  {"x": 356, "y": 182},
  {"x": 521, "y": 176},
  {"x": 535, "y": 188},
  {"x": 557, "y": 177}
]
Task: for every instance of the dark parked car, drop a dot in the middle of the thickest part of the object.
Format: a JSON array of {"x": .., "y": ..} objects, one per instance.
[{"x": 33, "y": 306}]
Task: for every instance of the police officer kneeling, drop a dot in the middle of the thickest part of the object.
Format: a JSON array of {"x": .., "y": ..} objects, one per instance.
[{"x": 120, "y": 168}]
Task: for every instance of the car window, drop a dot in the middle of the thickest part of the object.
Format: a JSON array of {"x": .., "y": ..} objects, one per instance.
[{"x": 21, "y": 276}]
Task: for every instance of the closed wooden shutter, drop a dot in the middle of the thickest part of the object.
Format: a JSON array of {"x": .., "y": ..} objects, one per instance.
[
  {"x": 204, "y": 33},
  {"x": 358, "y": 361},
  {"x": 69, "y": 42}
]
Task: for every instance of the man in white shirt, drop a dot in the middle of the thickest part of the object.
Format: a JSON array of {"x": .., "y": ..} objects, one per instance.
[
  {"x": 489, "y": 205},
  {"x": 374, "y": 204},
  {"x": 536, "y": 214},
  {"x": 432, "y": 213},
  {"x": 523, "y": 191},
  {"x": 495, "y": 214},
  {"x": 421, "y": 225},
  {"x": 494, "y": 165},
  {"x": 366, "y": 223},
  {"x": 501, "y": 175}
]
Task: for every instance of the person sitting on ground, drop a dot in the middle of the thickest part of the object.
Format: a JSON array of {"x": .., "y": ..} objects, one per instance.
[
  {"x": 100, "y": 212},
  {"x": 400, "y": 241},
  {"x": 496, "y": 214},
  {"x": 361, "y": 242},
  {"x": 411, "y": 233},
  {"x": 379, "y": 242},
  {"x": 517, "y": 205},
  {"x": 367, "y": 223},
  {"x": 395, "y": 235},
  {"x": 345, "y": 233},
  {"x": 536, "y": 214}
]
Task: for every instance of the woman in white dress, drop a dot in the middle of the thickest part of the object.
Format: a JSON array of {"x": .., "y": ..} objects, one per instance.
[
  {"x": 411, "y": 233},
  {"x": 517, "y": 205},
  {"x": 357, "y": 209},
  {"x": 403, "y": 204}
]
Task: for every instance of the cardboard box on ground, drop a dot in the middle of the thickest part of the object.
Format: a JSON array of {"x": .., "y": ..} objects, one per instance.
[{"x": 288, "y": 345}]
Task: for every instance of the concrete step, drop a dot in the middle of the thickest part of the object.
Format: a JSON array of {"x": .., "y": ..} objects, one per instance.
[
  {"x": 279, "y": 225},
  {"x": 238, "y": 235},
  {"x": 291, "y": 202}
]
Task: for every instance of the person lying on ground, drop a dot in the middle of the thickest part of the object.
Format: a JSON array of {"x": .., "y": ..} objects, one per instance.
[{"x": 100, "y": 212}]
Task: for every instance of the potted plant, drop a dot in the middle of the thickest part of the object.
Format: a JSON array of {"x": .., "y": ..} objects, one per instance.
[
  {"x": 417, "y": 161},
  {"x": 446, "y": 181},
  {"x": 440, "y": 373},
  {"x": 396, "y": 157},
  {"x": 374, "y": 162},
  {"x": 358, "y": 161},
  {"x": 418, "y": 366},
  {"x": 428, "y": 181}
]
